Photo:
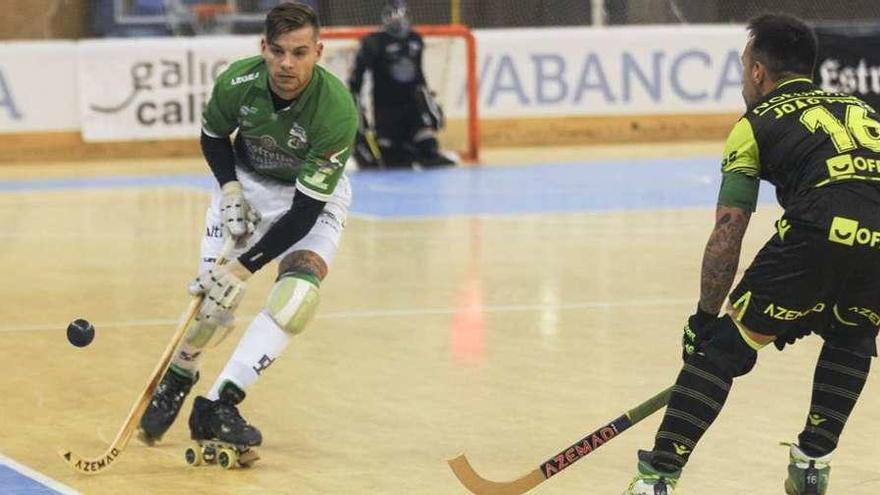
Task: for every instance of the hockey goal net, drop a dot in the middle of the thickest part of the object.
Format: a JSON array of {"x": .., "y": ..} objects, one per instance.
[{"x": 450, "y": 67}]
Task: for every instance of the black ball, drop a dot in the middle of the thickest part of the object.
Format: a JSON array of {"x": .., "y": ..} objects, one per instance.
[{"x": 80, "y": 332}]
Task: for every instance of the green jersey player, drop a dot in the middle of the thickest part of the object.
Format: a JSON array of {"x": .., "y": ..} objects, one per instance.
[{"x": 281, "y": 194}]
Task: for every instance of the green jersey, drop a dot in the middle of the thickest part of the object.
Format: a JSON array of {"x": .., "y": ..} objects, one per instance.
[
  {"x": 306, "y": 143},
  {"x": 801, "y": 139}
]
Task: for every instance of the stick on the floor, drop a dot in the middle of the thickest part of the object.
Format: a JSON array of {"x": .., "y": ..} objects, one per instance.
[
  {"x": 553, "y": 466},
  {"x": 95, "y": 465}
]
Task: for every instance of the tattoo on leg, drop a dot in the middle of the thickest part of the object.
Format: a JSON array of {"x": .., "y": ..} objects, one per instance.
[{"x": 304, "y": 262}]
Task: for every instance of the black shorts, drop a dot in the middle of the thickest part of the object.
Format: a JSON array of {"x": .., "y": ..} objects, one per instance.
[{"x": 825, "y": 281}]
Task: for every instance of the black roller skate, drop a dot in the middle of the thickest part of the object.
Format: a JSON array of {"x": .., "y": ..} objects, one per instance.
[
  {"x": 221, "y": 435},
  {"x": 165, "y": 404}
]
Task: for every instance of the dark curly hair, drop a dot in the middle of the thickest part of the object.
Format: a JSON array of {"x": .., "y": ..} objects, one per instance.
[{"x": 784, "y": 44}]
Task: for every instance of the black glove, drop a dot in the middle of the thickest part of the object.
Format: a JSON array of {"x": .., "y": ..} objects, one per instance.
[
  {"x": 694, "y": 332},
  {"x": 790, "y": 336}
]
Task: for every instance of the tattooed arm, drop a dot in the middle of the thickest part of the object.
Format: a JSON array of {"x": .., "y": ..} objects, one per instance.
[{"x": 721, "y": 256}]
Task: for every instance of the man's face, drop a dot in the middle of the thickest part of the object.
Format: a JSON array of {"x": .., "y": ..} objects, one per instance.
[
  {"x": 291, "y": 59},
  {"x": 752, "y": 76}
]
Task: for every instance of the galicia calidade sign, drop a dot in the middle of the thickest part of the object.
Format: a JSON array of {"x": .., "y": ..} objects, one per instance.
[{"x": 151, "y": 88}]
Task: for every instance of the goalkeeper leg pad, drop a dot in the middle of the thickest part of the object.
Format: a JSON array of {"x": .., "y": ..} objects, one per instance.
[{"x": 293, "y": 301}]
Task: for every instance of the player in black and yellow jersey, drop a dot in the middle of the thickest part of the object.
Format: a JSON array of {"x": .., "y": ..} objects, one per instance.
[{"x": 819, "y": 272}]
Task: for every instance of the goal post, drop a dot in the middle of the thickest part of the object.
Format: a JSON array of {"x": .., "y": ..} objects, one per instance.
[{"x": 450, "y": 66}]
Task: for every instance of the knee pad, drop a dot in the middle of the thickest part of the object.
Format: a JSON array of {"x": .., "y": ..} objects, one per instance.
[
  {"x": 203, "y": 333},
  {"x": 727, "y": 349},
  {"x": 293, "y": 301},
  {"x": 855, "y": 335}
]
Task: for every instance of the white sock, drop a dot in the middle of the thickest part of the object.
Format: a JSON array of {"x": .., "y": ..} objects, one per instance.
[
  {"x": 259, "y": 347},
  {"x": 188, "y": 358}
]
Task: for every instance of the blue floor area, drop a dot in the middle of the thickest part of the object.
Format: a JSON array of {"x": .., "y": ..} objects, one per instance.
[
  {"x": 13, "y": 482},
  {"x": 490, "y": 190},
  {"x": 569, "y": 187}
]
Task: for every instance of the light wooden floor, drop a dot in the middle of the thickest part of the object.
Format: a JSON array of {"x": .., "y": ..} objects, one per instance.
[{"x": 506, "y": 337}]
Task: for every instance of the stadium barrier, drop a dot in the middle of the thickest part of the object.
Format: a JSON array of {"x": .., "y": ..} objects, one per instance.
[{"x": 560, "y": 86}]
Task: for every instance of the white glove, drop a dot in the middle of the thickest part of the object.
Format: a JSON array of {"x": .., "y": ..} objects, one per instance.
[
  {"x": 223, "y": 287},
  {"x": 238, "y": 217}
]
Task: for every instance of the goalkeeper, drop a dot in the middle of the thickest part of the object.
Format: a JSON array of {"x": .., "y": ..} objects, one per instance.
[{"x": 405, "y": 116}]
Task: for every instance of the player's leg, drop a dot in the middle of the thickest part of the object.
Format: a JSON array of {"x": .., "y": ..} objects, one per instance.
[
  {"x": 838, "y": 380},
  {"x": 840, "y": 374},
  {"x": 395, "y": 153},
  {"x": 290, "y": 306},
  {"x": 270, "y": 200},
  {"x": 428, "y": 153},
  {"x": 392, "y": 136},
  {"x": 415, "y": 127},
  {"x": 699, "y": 394},
  {"x": 423, "y": 119},
  {"x": 183, "y": 371},
  {"x": 781, "y": 275}
]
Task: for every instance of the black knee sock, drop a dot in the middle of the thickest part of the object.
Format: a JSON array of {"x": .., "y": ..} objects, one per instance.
[
  {"x": 697, "y": 397},
  {"x": 837, "y": 383}
]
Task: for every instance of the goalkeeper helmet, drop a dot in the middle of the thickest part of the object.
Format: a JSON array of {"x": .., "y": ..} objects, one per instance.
[{"x": 395, "y": 19}]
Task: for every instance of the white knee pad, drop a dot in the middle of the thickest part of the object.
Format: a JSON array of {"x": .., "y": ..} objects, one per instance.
[{"x": 293, "y": 302}]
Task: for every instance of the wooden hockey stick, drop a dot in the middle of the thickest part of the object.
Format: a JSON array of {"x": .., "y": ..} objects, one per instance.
[
  {"x": 481, "y": 486},
  {"x": 95, "y": 465}
]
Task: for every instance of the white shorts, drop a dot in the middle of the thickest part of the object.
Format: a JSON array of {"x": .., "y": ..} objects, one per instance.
[{"x": 272, "y": 199}]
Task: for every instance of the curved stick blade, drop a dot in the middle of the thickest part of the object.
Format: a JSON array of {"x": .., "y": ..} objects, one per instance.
[
  {"x": 481, "y": 486},
  {"x": 100, "y": 464},
  {"x": 97, "y": 465},
  {"x": 90, "y": 466}
]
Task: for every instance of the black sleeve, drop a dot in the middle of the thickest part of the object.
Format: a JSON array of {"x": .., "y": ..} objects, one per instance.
[
  {"x": 361, "y": 64},
  {"x": 285, "y": 232},
  {"x": 220, "y": 157}
]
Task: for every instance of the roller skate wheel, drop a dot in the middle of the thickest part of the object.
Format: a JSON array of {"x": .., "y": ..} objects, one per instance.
[
  {"x": 209, "y": 454},
  {"x": 194, "y": 456},
  {"x": 227, "y": 458}
]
